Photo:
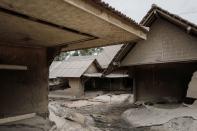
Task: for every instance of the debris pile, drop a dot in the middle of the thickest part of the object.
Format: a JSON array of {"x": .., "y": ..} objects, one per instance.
[
  {"x": 88, "y": 114},
  {"x": 111, "y": 112}
]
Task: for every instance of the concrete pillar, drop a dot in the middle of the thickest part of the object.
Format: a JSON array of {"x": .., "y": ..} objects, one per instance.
[{"x": 23, "y": 91}]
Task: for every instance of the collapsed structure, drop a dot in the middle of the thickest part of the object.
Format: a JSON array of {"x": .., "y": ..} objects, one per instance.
[
  {"x": 162, "y": 65},
  {"x": 33, "y": 32}
]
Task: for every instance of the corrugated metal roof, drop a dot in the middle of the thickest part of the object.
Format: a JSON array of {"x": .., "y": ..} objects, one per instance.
[
  {"x": 107, "y": 55},
  {"x": 71, "y": 68}
]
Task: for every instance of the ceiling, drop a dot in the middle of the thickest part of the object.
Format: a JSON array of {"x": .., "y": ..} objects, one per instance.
[{"x": 69, "y": 24}]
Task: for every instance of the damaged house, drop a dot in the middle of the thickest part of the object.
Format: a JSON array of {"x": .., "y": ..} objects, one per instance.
[
  {"x": 72, "y": 71},
  {"x": 79, "y": 74},
  {"x": 161, "y": 66},
  {"x": 42, "y": 29},
  {"x": 117, "y": 80}
]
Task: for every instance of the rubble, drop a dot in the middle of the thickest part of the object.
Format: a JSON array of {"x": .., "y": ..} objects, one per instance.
[
  {"x": 69, "y": 120},
  {"x": 95, "y": 114},
  {"x": 111, "y": 112}
]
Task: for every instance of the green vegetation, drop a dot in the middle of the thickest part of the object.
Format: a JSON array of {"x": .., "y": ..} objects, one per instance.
[{"x": 85, "y": 52}]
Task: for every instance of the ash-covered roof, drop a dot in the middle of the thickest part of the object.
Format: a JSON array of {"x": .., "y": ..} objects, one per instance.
[
  {"x": 107, "y": 55},
  {"x": 70, "y": 68},
  {"x": 75, "y": 66},
  {"x": 81, "y": 58},
  {"x": 102, "y": 4},
  {"x": 112, "y": 75},
  {"x": 154, "y": 13}
]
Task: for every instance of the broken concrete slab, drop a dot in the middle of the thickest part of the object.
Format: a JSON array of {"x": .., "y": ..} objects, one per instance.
[{"x": 192, "y": 90}]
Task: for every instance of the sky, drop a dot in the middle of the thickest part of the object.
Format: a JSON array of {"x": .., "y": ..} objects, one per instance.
[{"x": 136, "y": 9}]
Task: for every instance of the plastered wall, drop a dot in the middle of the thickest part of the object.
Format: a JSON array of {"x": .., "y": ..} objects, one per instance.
[
  {"x": 25, "y": 91},
  {"x": 76, "y": 89}
]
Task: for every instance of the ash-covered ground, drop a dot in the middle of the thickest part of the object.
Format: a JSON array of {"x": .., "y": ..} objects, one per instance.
[{"x": 112, "y": 112}]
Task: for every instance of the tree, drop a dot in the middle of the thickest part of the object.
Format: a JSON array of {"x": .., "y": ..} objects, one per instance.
[
  {"x": 84, "y": 52},
  {"x": 61, "y": 56}
]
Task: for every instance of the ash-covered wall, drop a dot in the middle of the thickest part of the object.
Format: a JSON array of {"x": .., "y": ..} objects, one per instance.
[{"x": 23, "y": 91}]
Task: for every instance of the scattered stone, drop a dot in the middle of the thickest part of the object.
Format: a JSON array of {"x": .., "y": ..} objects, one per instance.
[
  {"x": 76, "y": 117},
  {"x": 89, "y": 115}
]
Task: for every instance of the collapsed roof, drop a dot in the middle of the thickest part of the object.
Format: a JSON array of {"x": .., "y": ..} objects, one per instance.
[{"x": 68, "y": 24}]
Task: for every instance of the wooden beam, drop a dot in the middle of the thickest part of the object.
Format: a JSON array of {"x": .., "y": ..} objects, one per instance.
[
  {"x": 108, "y": 17},
  {"x": 12, "y": 67},
  {"x": 16, "y": 118}
]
